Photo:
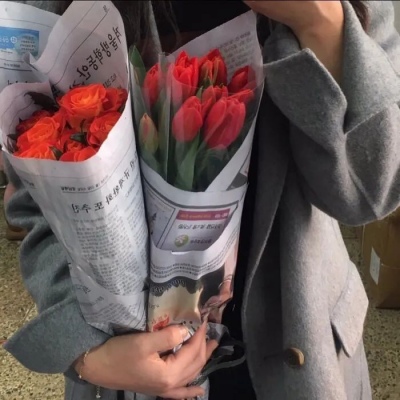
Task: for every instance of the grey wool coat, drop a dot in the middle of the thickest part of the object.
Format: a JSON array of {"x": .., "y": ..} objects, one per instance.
[{"x": 326, "y": 153}]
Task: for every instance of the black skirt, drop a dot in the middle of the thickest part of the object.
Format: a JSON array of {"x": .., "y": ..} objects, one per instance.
[{"x": 232, "y": 383}]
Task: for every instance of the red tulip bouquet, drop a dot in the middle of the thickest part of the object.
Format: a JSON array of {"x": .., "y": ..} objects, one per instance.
[
  {"x": 192, "y": 120},
  {"x": 70, "y": 138},
  {"x": 195, "y": 113}
]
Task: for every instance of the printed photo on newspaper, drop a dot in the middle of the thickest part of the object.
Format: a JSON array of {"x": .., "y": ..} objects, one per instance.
[{"x": 21, "y": 34}]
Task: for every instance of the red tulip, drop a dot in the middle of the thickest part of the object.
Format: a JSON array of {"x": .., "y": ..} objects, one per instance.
[
  {"x": 243, "y": 78},
  {"x": 151, "y": 85},
  {"x": 244, "y": 96},
  {"x": 188, "y": 120},
  {"x": 185, "y": 78},
  {"x": 210, "y": 96},
  {"x": 212, "y": 67},
  {"x": 224, "y": 123}
]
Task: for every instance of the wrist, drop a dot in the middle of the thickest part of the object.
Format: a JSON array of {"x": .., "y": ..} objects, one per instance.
[
  {"x": 325, "y": 39},
  {"x": 85, "y": 366}
]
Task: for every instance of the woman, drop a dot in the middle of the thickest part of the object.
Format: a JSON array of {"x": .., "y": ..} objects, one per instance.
[{"x": 326, "y": 149}]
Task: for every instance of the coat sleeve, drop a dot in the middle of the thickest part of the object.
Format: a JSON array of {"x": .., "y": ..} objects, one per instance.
[
  {"x": 59, "y": 334},
  {"x": 345, "y": 139}
]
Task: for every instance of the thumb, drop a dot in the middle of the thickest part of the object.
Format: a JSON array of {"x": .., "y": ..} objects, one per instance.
[{"x": 167, "y": 338}]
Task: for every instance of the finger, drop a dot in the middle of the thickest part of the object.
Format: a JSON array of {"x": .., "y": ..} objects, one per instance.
[
  {"x": 189, "y": 359},
  {"x": 184, "y": 393},
  {"x": 165, "y": 339},
  {"x": 210, "y": 348},
  {"x": 193, "y": 349}
]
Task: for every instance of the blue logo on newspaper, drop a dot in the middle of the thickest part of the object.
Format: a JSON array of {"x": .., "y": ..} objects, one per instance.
[{"x": 19, "y": 41}]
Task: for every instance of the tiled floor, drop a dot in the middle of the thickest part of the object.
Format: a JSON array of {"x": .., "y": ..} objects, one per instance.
[
  {"x": 382, "y": 335},
  {"x": 382, "y": 338}
]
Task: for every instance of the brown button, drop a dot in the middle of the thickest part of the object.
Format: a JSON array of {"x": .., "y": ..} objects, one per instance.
[{"x": 294, "y": 357}]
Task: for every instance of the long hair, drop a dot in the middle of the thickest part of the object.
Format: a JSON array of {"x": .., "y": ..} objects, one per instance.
[
  {"x": 361, "y": 9},
  {"x": 136, "y": 15}
]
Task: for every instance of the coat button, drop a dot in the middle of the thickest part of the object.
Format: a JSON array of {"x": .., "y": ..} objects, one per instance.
[{"x": 294, "y": 358}]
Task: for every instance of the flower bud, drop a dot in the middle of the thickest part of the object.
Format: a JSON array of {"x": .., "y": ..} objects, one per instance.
[{"x": 148, "y": 135}]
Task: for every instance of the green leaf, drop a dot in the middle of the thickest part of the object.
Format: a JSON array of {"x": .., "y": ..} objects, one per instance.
[
  {"x": 207, "y": 82},
  {"x": 79, "y": 137},
  {"x": 164, "y": 138},
  {"x": 44, "y": 101},
  {"x": 14, "y": 136},
  {"x": 57, "y": 153},
  {"x": 138, "y": 103},
  {"x": 158, "y": 107},
  {"x": 150, "y": 160},
  {"x": 186, "y": 166},
  {"x": 209, "y": 164},
  {"x": 199, "y": 93},
  {"x": 136, "y": 59}
]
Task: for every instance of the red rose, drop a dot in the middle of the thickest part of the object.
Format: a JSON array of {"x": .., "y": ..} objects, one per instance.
[
  {"x": 45, "y": 130},
  {"x": 243, "y": 78},
  {"x": 80, "y": 155},
  {"x": 188, "y": 120},
  {"x": 61, "y": 118},
  {"x": 152, "y": 85},
  {"x": 212, "y": 67},
  {"x": 115, "y": 99},
  {"x": 83, "y": 104},
  {"x": 101, "y": 127},
  {"x": 68, "y": 144},
  {"x": 224, "y": 122},
  {"x": 27, "y": 124},
  {"x": 43, "y": 151},
  {"x": 210, "y": 96},
  {"x": 185, "y": 78}
]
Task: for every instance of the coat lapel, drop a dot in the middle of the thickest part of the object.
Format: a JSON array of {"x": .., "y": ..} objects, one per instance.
[{"x": 271, "y": 147}]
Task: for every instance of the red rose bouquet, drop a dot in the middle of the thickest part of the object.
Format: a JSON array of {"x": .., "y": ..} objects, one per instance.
[
  {"x": 70, "y": 138},
  {"x": 73, "y": 128}
]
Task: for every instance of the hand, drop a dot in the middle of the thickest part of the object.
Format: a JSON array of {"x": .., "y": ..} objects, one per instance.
[
  {"x": 133, "y": 363},
  {"x": 299, "y": 15},
  {"x": 318, "y": 26}
]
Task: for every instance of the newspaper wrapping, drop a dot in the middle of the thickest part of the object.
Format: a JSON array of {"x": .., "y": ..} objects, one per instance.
[
  {"x": 195, "y": 234},
  {"x": 95, "y": 207}
]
